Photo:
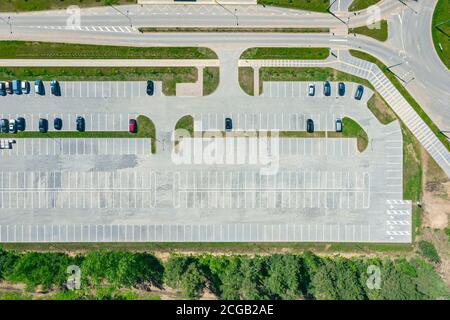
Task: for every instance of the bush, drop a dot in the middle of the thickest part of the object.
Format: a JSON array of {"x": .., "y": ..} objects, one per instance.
[{"x": 429, "y": 252}]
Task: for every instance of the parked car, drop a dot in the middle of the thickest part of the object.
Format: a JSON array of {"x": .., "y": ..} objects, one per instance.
[
  {"x": 311, "y": 89},
  {"x": 8, "y": 87},
  {"x": 228, "y": 124},
  {"x": 150, "y": 87},
  {"x": 20, "y": 124},
  {"x": 12, "y": 126},
  {"x": 132, "y": 126},
  {"x": 4, "y": 125},
  {"x": 57, "y": 123},
  {"x": 2, "y": 89},
  {"x": 54, "y": 88},
  {"x": 338, "y": 125},
  {"x": 310, "y": 126},
  {"x": 327, "y": 88},
  {"x": 43, "y": 125},
  {"x": 39, "y": 87},
  {"x": 25, "y": 87},
  {"x": 16, "y": 87},
  {"x": 359, "y": 92},
  {"x": 341, "y": 89},
  {"x": 80, "y": 124}
]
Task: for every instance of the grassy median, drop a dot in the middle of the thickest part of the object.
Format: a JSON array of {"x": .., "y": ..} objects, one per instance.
[
  {"x": 357, "y": 5},
  {"x": 211, "y": 78},
  {"x": 51, "y": 50},
  {"x": 316, "y": 5},
  {"x": 301, "y": 53},
  {"x": 246, "y": 80},
  {"x": 377, "y": 30}
]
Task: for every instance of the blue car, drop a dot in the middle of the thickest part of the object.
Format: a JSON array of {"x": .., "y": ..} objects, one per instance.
[
  {"x": 359, "y": 92},
  {"x": 327, "y": 89},
  {"x": 39, "y": 87},
  {"x": 228, "y": 124},
  {"x": 341, "y": 89},
  {"x": 54, "y": 87}
]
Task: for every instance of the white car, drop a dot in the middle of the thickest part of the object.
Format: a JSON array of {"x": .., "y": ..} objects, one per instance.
[
  {"x": 25, "y": 87},
  {"x": 12, "y": 126},
  {"x": 311, "y": 89}
]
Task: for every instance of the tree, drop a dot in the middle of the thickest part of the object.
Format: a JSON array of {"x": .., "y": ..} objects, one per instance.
[
  {"x": 192, "y": 282},
  {"x": 284, "y": 277}
]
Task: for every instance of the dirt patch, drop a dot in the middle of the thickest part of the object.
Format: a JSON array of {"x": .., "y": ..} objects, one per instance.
[
  {"x": 436, "y": 194},
  {"x": 441, "y": 242}
]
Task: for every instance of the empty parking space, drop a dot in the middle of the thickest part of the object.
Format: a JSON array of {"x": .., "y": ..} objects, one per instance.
[
  {"x": 77, "y": 190},
  {"x": 287, "y": 189},
  {"x": 283, "y": 121},
  {"x": 78, "y": 146}
]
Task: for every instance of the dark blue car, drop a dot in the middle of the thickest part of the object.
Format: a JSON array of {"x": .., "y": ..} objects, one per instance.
[
  {"x": 228, "y": 124},
  {"x": 359, "y": 92},
  {"x": 327, "y": 88},
  {"x": 341, "y": 89}
]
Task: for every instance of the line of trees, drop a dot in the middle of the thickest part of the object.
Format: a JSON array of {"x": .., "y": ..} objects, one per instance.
[{"x": 277, "y": 276}]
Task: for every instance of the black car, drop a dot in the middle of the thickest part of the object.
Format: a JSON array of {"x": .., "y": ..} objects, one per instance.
[
  {"x": 43, "y": 125},
  {"x": 228, "y": 124},
  {"x": 341, "y": 89},
  {"x": 20, "y": 124},
  {"x": 57, "y": 123},
  {"x": 327, "y": 88},
  {"x": 150, "y": 87},
  {"x": 310, "y": 126},
  {"x": 55, "y": 89},
  {"x": 80, "y": 124},
  {"x": 4, "y": 125},
  {"x": 359, "y": 92}
]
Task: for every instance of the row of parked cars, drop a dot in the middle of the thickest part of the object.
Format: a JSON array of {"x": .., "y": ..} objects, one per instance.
[
  {"x": 23, "y": 87},
  {"x": 341, "y": 90},
  {"x": 15, "y": 125}
]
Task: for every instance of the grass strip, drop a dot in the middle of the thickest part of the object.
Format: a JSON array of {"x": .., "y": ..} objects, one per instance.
[
  {"x": 302, "y": 53},
  {"x": 396, "y": 82},
  {"x": 377, "y": 30},
  {"x": 51, "y": 50},
  {"x": 308, "y": 5},
  {"x": 351, "y": 129},
  {"x": 38, "y": 5},
  {"x": 211, "y": 78},
  {"x": 246, "y": 80},
  {"x": 357, "y": 5}
]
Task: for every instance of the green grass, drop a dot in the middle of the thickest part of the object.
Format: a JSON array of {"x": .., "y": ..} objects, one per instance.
[
  {"x": 309, "y": 5},
  {"x": 412, "y": 176},
  {"x": 302, "y": 134},
  {"x": 186, "y": 123},
  {"x": 441, "y": 33},
  {"x": 380, "y": 109},
  {"x": 202, "y": 247},
  {"x": 379, "y": 33},
  {"x": 232, "y": 30},
  {"x": 51, "y": 50},
  {"x": 246, "y": 80},
  {"x": 168, "y": 75},
  {"x": 352, "y": 129},
  {"x": 146, "y": 129},
  {"x": 286, "y": 53},
  {"x": 357, "y": 5},
  {"x": 211, "y": 78},
  {"x": 428, "y": 251},
  {"x": 405, "y": 94},
  {"x": 35, "y": 5}
]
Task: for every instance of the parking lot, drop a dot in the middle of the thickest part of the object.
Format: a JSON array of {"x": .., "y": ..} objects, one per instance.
[{"x": 323, "y": 190}]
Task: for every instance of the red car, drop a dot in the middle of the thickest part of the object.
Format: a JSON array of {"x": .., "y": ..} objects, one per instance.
[{"x": 132, "y": 126}]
